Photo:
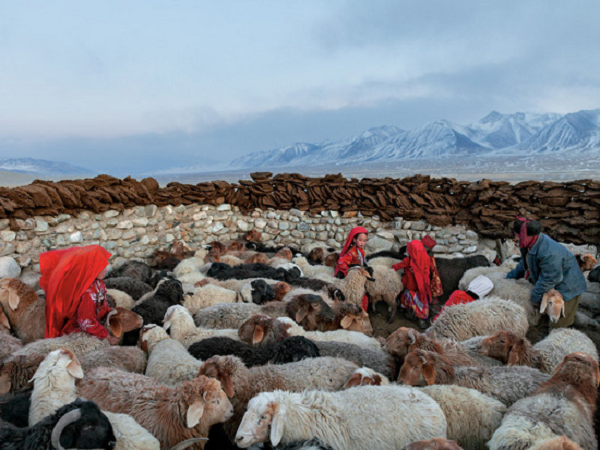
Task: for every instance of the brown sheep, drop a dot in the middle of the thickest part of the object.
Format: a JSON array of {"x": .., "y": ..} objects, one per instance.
[
  {"x": 586, "y": 262},
  {"x": 8, "y": 343},
  {"x": 281, "y": 288},
  {"x": 171, "y": 414},
  {"x": 553, "y": 304},
  {"x": 331, "y": 259},
  {"x": 127, "y": 359},
  {"x": 25, "y": 311},
  {"x": 511, "y": 349},
  {"x": 16, "y": 372},
  {"x": 242, "y": 383},
  {"x": 433, "y": 444},
  {"x": 284, "y": 253},
  {"x": 252, "y": 236},
  {"x": 263, "y": 331},
  {"x": 316, "y": 255},
  {"x": 349, "y": 317},
  {"x": 507, "y": 384},
  {"x": 404, "y": 340}
]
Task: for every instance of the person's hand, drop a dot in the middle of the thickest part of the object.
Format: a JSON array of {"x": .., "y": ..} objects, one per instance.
[{"x": 340, "y": 275}]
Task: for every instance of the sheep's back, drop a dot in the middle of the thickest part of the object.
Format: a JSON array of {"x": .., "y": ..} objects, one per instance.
[
  {"x": 227, "y": 315},
  {"x": 78, "y": 343},
  {"x": 560, "y": 343},
  {"x": 377, "y": 360},
  {"x": 128, "y": 359},
  {"x": 170, "y": 363}
]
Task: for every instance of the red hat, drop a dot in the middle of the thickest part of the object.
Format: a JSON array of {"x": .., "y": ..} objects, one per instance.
[{"x": 428, "y": 242}]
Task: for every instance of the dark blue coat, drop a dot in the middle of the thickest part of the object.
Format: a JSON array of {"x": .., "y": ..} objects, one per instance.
[{"x": 551, "y": 266}]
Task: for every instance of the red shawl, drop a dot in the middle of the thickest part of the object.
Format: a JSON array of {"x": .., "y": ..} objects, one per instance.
[
  {"x": 66, "y": 275},
  {"x": 525, "y": 241},
  {"x": 420, "y": 268},
  {"x": 353, "y": 232}
]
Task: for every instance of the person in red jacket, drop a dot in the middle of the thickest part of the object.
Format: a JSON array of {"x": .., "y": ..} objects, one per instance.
[
  {"x": 434, "y": 277},
  {"x": 76, "y": 299},
  {"x": 353, "y": 254},
  {"x": 416, "y": 296}
]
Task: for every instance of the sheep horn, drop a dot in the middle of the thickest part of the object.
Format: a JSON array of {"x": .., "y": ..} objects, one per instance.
[
  {"x": 187, "y": 443},
  {"x": 65, "y": 421},
  {"x": 411, "y": 335}
]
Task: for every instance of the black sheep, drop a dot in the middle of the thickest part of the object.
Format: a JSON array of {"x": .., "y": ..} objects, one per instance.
[
  {"x": 389, "y": 254},
  {"x": 222, "y": 271},
  {"x": 133, "y": 269},
  {"x": 451, "y": 271},
  {"x": 79, "y": 424},
  {"x": 315, "y": 284},
  {"x": 14, "y": 408},
  {"x": 294, "y": 349},
  {"x": 263, "y": 248},
  {"x": 131, "y": 286},
  {"x": 262, "y": 292},
  {"x": 594, "y": 275}
]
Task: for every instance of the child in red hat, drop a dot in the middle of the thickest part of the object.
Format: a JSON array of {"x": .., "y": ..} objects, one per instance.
[{"x": 353, "y": 254}]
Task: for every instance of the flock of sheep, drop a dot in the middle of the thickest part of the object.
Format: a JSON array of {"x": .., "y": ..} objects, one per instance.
[{"x": 257, "y": 347}]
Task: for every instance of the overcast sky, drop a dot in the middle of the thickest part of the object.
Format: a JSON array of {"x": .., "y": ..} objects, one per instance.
[{"x": 120, "y": 86}]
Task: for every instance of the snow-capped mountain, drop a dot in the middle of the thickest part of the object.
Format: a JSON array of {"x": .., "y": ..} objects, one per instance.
[
  {"x": 496, "y": 134},
  {"x": 41, "y": 167}
]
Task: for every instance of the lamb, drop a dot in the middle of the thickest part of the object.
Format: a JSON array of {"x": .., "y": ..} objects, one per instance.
[
  {"x": 131, "y": 286},
  {"x": 181, "y": 323},
  {"x": 26, "y": 312},
  {"x": 366, "y": 377},
  {"x": 564, "y": 405},
  {"x": 154, "y": 307},
  {"x": 242, "y": 383},
  {"x": 233, "y": 315},
  {"x": 518, "y": 291},
  {"x": 472, "y": 416},
  {"x": 191, "y": 265},
  {"x": 404, "y": 340},
  {"x": 121, "y": 298},
  {"x": 257, "y": 290},
  {"x": 507, "y": 384},
  {"x": 546, "y": 355},
  {"x": 262, "y": 330},
  {"x": 312, "y": 271},
  {"x": 17, "y": 371},
  {"x": 350, "y": 337},
  {"x": 168, "y": 361},
  {"x": 210, "y": 295},
  {"x": 54, "y": 384},
  {"x": 128, "y": 359},
  {"x": 8, "y": 343},
  {"x": 332, "y": 418},
  {"x": 480, "y": 318},
  {"x": 586, "y": 262},
  {"x": 171, "y": 414},
  {"x": 387, "y": 287},
  {"x": 79, "y": 424},
  {"x": 288, "y": 350}
]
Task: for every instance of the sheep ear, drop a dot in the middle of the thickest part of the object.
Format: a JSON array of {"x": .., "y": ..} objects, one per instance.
[
  {"x": 13, "y": 300},
  {"x": 74, "y": 368},
  {"x": 227, "y": 385},
  {"x": 194, "y": 413},
  {"x": 353, "y": 381},
  {"x": 513, "y": 356},
  {"x": 4, "y": 320},
  {"x": 129, "y": 320},
  {"x": 429, "y": 374},
  {"x": 411, "y": 335},
  {"x": 562, "y": 309},
  {"x": 346, "y": 322},
  {"x": 5, "y": 383},
  {"x": 277, "y": 424},
  {"x": 377, "y": 380},
  {"x": 301, "y": 314},
  {"x": 544, "y": 304},
  {"x": 114, "y": 323},
  {"x": 258, "y": 335}
]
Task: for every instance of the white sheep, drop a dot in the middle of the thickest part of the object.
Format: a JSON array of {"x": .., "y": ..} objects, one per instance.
[
  {"x": 387, "y": 286},
  {"x": 121, "y": 298},
  {"x": 311, "y": 271},
  {"x": 168, "y": 361},
  {"x": 365, "y": 376},
  {"x": 346, "y": 420},
  {"x": 480, "y": 318},
  {"x": 78, "y": 343},
  {"x": 210, "y": 295},
  {"x": 472, "y": 416},
  {"x": 350, "y": 337},
  {"x": 181, "y": 323},
  {"x": 191, "y": 265}
]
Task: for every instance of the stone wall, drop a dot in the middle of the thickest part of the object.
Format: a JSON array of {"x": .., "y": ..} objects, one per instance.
[
  {"x": 569, "y": 212},
  {"x": 137, "y": 232}
]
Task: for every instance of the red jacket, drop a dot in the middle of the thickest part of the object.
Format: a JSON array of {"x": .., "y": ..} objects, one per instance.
[
  {"x": 91, "y": 310},
  {"x": 352, "y": 257}
]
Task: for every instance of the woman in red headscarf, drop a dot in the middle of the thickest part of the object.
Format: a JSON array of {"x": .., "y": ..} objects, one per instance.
[
  {"x": 76, "y": 299},
  {"x": 416, "y": 279},
  {"x": 435, "y": 281},
  {"x": 353, "y": 254}
]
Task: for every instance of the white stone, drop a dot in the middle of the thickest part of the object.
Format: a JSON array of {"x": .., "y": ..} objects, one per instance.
[
  {"x": 284, "y": 226},
  {"x": 260, "y": 223},
  {"x": 296, "y": 212},
  {"x": 440, "y": 249},
  {"x": 9, "y": 268},
  {"x": 150, "y": 210},
  {"x": 144, "y": 240},
  {"x": 218, "y": 227},
  {"x": 125, "y": 225},
  {"x": 471, "y": 235},
  {"x": 201, "y": 215},
  {"x": 142, "y": 222},
  {"x": 242, "y": 225},
  {"x": 386, "y": 235},
  {"x": 76, "y": 237},
  {"x": 111, "y": 213},
  {"x": 418, "y": 226},
  {"x": 376, "y": 244},
  {"x": 224, "y": 207},
  {"x": 8, "y": 235},
  {"x": 471, "y": 249}
]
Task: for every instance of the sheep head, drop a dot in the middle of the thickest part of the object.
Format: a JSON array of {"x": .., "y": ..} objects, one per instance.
[
  {"x": 218, "y": 246},
  {"x": 257, "y": 258},
  {"x": 121, "y": 320},
  {"x": 353, "y": 318},
  {"x": 280, "y": 289},
  {"x": 150, "y": 335},
  {"x": 223, "y": 369},
  {"x": 423, "y": 368},
  {"x": 235, "y": 246},
  {"x": 11, "y": 291},
  {"x": 203, "y": 400},
  {"x": 433, "y": 444},
  {"x": 553, "y": 302},
  {"x": 316, "y": 255},
  {"x": 61, "y": 359},
  {"x": 261, "y": 292},
  {"x": 264, "y": 411},
  {"x": 262, "y": 330},
  {"x": 365, "y": 377},
  {"x": 175, "y": 313},
  {"x": 402, "y": 341},
  {"x": 285, "y": 253},
  {"x": 578, "y": 369},
  {"x": 506, "y": 347},
  {"x": 586, "y": 262},
  {"x": 252, "y": 236},
  {"x": 214, "y": 255},
  {"x": 331, "y": 259}
]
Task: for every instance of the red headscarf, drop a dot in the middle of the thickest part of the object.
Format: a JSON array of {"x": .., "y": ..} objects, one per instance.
[
  {"x": 428, "y": 241},
  {"x": 353, "y": 233},
  {"x": 525, "y": 241},
  {"x": 420, "y": 266},
  {"x": 66, "y": 275}
]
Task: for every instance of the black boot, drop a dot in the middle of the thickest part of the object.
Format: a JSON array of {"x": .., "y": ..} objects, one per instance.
[
  {"x": 423, "y": 324},
  {"x": 409, "y": 314}
]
